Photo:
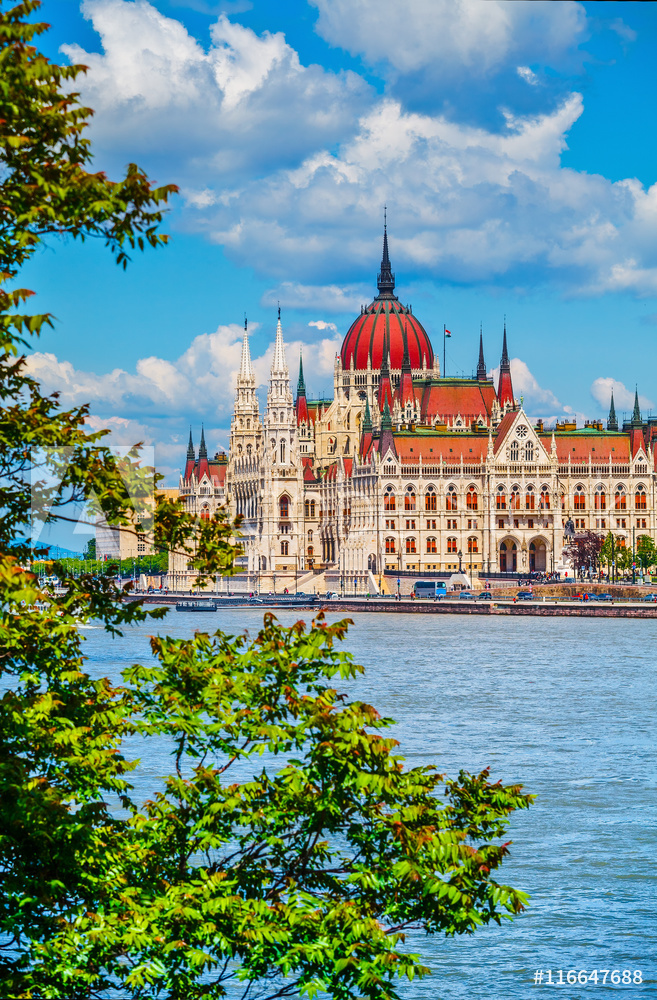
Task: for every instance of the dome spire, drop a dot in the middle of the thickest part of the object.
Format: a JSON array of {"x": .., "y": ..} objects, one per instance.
[
  {"x": 636, "y": 416},
  {"x": 385, "y": 278},
  {"x": 190, "y": 446}
]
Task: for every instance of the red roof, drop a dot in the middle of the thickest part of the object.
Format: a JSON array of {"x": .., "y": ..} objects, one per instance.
[
  {"x": 577, "y": 447},
  {"x": 384, "y": 328},
  {"x": 503, "y": 429},
  {"x": 449, "y": 398},
  {"x": 433, "y": 447},
  {"x": 215, "y": 470}
]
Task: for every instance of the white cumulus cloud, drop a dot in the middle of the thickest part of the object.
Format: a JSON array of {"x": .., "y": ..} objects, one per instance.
[
  {"x": 465, "y": 37},
  {"x": 242, "y": 105},
  {"x": 602, "y": 388}
]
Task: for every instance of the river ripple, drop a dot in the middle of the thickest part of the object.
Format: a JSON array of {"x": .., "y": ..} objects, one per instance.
[{"x": 565, "y": 706}]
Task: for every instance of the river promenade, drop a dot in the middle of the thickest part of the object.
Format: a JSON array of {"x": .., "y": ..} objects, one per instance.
[{"x": 540, "y": 607}]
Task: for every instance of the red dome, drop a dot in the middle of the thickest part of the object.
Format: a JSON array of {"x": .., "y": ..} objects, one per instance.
[{"x": 386, "y": 327}]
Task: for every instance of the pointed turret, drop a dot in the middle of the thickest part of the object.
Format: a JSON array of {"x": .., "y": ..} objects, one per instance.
[
  {"x": 202, "y": 457},
  {"x": 481, "y": 364},
  {"x": 279, "y": 363},
  {"x": 302, "y": 404},
  {"x": 385, "y": 395},
  {"x": 246, "y": 372},
  {"x": 612, "y": 419},
  {"x": 406, "y": 392},
  {"x": 385, "y": 280},
  {"x": 504, "y": 387},
  {"x": 191, "y": 458},
  {"x": 366, "y": 431},
  {"x": 636, "y": 416},
  {"x": 386, "y": 438}
]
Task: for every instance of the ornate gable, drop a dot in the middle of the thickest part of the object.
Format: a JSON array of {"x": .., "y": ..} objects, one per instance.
[{"x": 517, "y": 443}]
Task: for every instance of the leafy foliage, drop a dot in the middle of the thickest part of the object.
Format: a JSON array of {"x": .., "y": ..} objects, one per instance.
[
  {"x": 289, "y": 847},
  {"x": 585, "y": 551}
]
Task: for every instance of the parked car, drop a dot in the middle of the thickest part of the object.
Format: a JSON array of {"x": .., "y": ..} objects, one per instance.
[
  {"x": 525, "y": 595},
  {"x": 485, "y": 595},
  {"x": 465, "y": 595},
  {"x": 651, "y": 598},
  {"x": 605, "y": 597}
]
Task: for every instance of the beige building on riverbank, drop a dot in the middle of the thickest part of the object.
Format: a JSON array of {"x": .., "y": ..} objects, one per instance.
[{"x": 405, "y": 470}]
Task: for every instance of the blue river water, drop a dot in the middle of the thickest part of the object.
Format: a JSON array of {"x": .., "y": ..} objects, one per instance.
[{"x": 565, "y": 706}]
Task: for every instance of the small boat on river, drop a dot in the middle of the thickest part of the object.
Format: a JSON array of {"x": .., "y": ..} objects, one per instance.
[{"x": 196, "y": 606}]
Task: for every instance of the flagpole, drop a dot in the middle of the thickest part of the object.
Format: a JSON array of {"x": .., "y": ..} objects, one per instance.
[{"x": 444, "y": 328}]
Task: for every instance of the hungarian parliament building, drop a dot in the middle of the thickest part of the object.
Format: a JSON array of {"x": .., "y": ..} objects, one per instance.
[{"x": 408, "y": 471}]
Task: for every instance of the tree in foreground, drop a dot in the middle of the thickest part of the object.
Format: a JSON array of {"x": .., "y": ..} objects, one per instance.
[{"x": 289, "y": 850}]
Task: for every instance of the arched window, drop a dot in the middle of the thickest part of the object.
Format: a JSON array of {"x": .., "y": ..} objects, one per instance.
[
  {"x": 311, "y": 552},
  {"x": 430, "y": 499},
  {"x": 579, "y": 498},
  {"x": 514, "y": 452},
  {"x": 451, "y": 499},
  {"x": 640, "y": 498},
  {"x": 431, "y": 544},
  {"x": 306, "y": 508},
  {"x": 205, "y": 513},
  {"x": 451, "y": 545},
  {"x": 409, "y": 499},
  {"x": 515, "y": 498},
  {"x": 473, "y": 544},
  {"x": 620, "y": 498},
  {"x": 389, "y": 499},
  {"x": 545, "y": 498},
  {"x": 310, "y": 536},
  {"x": 508, "y": 557},
  {"x": 410, "y": 545},
  {"x": 530, "y": 498},
  {"x": 390, "y": 546},
  {"x": 500, "y": 498},
  {"x": 312, "y": 508},
  {"x": 472, "y": 499},
  {"x": 248, "y": 424},
  {"x": 600, "y": 498},
  {"x": 285, "y": 548},
  {"x": 282, "y": 417},
  {"x": 284, "y": 506},
  {"x": 529, "y": 451}
]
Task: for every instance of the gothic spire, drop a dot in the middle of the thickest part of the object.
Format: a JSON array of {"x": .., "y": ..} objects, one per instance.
[
  {"x": 246, "y": 368},
  {"x": 481, "y": 365},
  {"x": 505, "y": 365},
  {"x": 278, "y": 362},
  {"x": 190, "y": 446},
  {"x": 504, "y": 386},
  {"x": 612, "y": 420},
  {"x": 202, "y": 450},
  {"x": 301, "y": 385},
  {"x": 367, "y": 417},
  {"x": 636, "y": 416},
  {"x": 385, "y": 278}
]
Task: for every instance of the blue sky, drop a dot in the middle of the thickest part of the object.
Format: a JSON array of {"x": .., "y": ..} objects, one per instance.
[{"x": 513, "y": 142}]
